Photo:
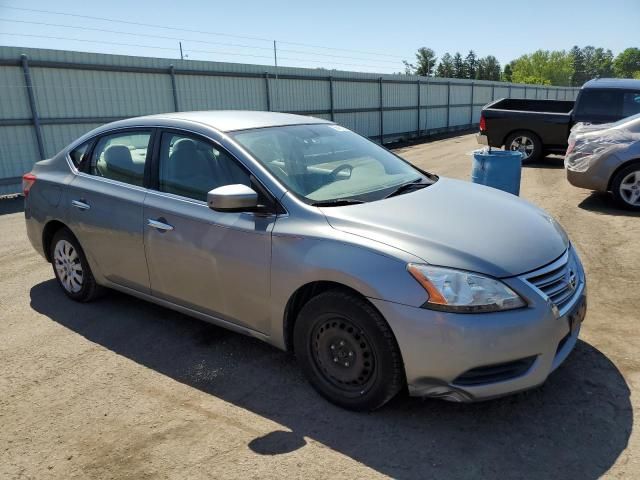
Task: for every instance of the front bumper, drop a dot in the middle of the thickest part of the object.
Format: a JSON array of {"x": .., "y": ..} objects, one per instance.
[{"x": 438, "y": 348}]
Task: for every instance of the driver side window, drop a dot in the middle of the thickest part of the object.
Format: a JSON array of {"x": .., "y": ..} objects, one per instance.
[{"x": 191, "y": 166}]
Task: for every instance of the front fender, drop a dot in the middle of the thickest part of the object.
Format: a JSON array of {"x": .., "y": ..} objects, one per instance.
[{"x": 297, "y": 261}]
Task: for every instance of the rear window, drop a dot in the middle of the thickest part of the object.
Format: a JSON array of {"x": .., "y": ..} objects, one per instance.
[{"x": 605, "y": 103}]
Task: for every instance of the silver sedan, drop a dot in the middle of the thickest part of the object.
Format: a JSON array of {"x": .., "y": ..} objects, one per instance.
[{"x": 297, "y": 231}]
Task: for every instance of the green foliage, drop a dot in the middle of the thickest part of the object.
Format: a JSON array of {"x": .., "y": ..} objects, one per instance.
[
  {"x": 445, "y": 67},
  {"x": 425, "y": 63},
  {"x": 543, "y": 67},
  {"x": 458, "y": 66},
  {"x": 627, "y": 63}
]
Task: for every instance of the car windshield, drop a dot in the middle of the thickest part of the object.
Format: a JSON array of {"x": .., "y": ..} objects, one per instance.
[{"x": 325, "y": 163}]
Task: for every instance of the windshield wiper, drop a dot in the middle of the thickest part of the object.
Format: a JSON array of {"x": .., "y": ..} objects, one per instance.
[
  {"x": 337, "y": 202},
  {"x": 419, "y": 183}
]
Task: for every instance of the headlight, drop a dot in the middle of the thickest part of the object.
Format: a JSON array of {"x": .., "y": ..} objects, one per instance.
[{"x": 464, "y": 292}]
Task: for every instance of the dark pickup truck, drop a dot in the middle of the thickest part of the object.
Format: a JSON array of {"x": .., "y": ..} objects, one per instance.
[{"x": 538, "y": 127}]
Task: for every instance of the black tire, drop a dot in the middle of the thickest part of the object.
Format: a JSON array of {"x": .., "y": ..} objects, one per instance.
[
  {"x": 616, "y": 184},
  {"x": 535, "y": 155},
  {"x": 363, "y": 372},
  {"x": 84, "y": 290}
]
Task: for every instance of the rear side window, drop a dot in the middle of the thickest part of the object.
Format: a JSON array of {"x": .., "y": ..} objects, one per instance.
[
  {"x": 601, "y": 103},
  {"x": 121, "y": 156},
  {"x": 630, "y": 104},
  {"x": 79, "y": 155}
]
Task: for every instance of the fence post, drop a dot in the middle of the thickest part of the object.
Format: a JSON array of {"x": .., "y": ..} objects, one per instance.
[
  {"x": 493, "y": 92},
  {"x": 471, "y": 114},
  {"x": 448, "y": 103},
  {"x": 268, "y": 93},
  {"x": 426, "y": 110},
  {"x": 509, "y": 91},
  {"x": 32, "y": 104},
  {"x": 381, "y": 113},
  {"x": 418, "y": 129},
  {"x": 173, "y": 88},
  {"x": 331, "y": 98}
]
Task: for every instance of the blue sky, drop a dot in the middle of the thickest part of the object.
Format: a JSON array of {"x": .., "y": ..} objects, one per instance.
[{"x": 348, "y": 35}]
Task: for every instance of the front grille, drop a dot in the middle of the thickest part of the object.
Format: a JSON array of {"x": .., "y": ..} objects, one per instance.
[
  {"x": 494, "y": 373},
  {"x": 559, "y": 281}
]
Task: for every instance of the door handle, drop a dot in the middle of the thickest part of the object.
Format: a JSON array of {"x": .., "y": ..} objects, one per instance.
[
  {"x": 159, "y": 225},
  {"x": 80, "y": 204}
]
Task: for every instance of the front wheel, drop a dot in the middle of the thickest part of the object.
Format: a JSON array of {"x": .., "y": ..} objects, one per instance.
[
  {"x": 527, "y": 143},
  {"x": 347, "y": 351},
  {"x": 625, "y": 187}
]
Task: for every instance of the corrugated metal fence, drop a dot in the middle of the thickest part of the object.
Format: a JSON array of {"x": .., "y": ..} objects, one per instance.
[{"x": 50, "y": 97}]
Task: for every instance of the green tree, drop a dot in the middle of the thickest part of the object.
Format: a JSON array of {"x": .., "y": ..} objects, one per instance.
[
  {"x": 508, "y": 73},
  {"x": 425, "y": 63},
  {"x": 543, "y": 67},
  {"x": 445, "y": 67},
  {"x": 458, "y": 66},
  {"x": 578, "y": 66},
  {"x": 603, "y": 62},
  {"x": 470, "y": 65},
  {"x": 488, "y": 68},
  {"x": 627, "y": 63}
]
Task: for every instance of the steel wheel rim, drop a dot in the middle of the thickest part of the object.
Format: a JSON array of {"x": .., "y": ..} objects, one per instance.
[
  {"x": 630, "y": 188},
  {"x": 522, "y": 144},
  {"x": 343, "y": 355},
  {"x": 68, "y": 266}
]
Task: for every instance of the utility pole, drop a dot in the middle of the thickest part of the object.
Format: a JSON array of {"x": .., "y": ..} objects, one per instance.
[
  {"x": 181, "y": 56},
  {"x": 275, "y": 62}
]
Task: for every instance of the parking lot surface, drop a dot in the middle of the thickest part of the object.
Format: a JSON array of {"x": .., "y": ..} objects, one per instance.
[{"x": 120, "y": 388}]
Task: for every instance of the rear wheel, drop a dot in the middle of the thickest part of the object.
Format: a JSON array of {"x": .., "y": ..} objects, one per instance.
[
  {"x": 71, "y": 268},
  {"x": 347, "y": 351},
  {"x": 527, "y": 143},
  {"x": 626, "y": 187}
]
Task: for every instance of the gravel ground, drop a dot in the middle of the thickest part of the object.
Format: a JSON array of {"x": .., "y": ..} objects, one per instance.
[{"x": 124, "y": 389}]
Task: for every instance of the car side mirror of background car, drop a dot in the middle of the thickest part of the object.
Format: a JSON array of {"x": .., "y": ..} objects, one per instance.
[{"x": 232, "y": 198}]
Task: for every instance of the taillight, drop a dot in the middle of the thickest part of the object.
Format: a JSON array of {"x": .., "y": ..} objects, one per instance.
[
  {"x": 483, "y": 123},
  {"x": 28, "y": 179},
  {"x": 572, "y": 145}
]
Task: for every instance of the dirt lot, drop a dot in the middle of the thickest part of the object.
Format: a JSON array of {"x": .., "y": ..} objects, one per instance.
[{"x": 124, "y": 389}]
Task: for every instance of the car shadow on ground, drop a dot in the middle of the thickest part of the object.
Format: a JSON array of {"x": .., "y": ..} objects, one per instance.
[
  {"x": 604, "y": 203},
  {"x": 551, "y": 162},
  {"x": 575, "y": 426},
  {"x": 11, "y": 205}
]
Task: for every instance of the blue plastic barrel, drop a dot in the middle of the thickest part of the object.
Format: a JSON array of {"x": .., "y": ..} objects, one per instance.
[{"x": 498, "y": 169}]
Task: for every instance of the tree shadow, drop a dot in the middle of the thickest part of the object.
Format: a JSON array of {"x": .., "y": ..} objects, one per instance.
[
  {"x": 10, "y": 205},
  {"x": 575, "y": 426},
  {"x": 604, "y": 203}
]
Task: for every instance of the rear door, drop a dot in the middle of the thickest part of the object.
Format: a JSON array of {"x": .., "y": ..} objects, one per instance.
[
  {"x": 212, "y": 262},
  {"x": 105, "y": 206}
]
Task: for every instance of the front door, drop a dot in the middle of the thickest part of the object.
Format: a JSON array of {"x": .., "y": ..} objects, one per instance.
[
  {"x": 212, "y": 262},
  {"x": 105, "y": 207}
]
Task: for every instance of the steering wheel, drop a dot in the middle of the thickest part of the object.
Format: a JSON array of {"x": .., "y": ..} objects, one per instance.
[{"x": 338, "y": 169}]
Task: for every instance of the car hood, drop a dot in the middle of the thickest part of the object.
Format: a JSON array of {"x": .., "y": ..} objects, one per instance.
[{"x": 461, "y": 225}]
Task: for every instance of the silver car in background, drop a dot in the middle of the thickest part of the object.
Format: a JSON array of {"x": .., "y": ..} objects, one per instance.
[
  {"x": 606, "y": 158},
  {"x": 297, "y": 231}
]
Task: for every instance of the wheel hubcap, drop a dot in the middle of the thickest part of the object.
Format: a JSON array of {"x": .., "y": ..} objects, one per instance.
[
  {"x": 68, "y": 266},
  {"x": 630, "y": 188},
  {"x": 343, "y": 354},
  {"x": 522, "y": 144}
]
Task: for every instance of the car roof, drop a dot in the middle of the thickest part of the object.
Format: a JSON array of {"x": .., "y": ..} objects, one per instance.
[
  {"x": 229, "y": 120},
  {"x": 625, "y": 83}
]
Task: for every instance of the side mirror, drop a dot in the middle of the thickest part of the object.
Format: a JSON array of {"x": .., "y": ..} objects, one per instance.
[{"x": 232, "y": 198}]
